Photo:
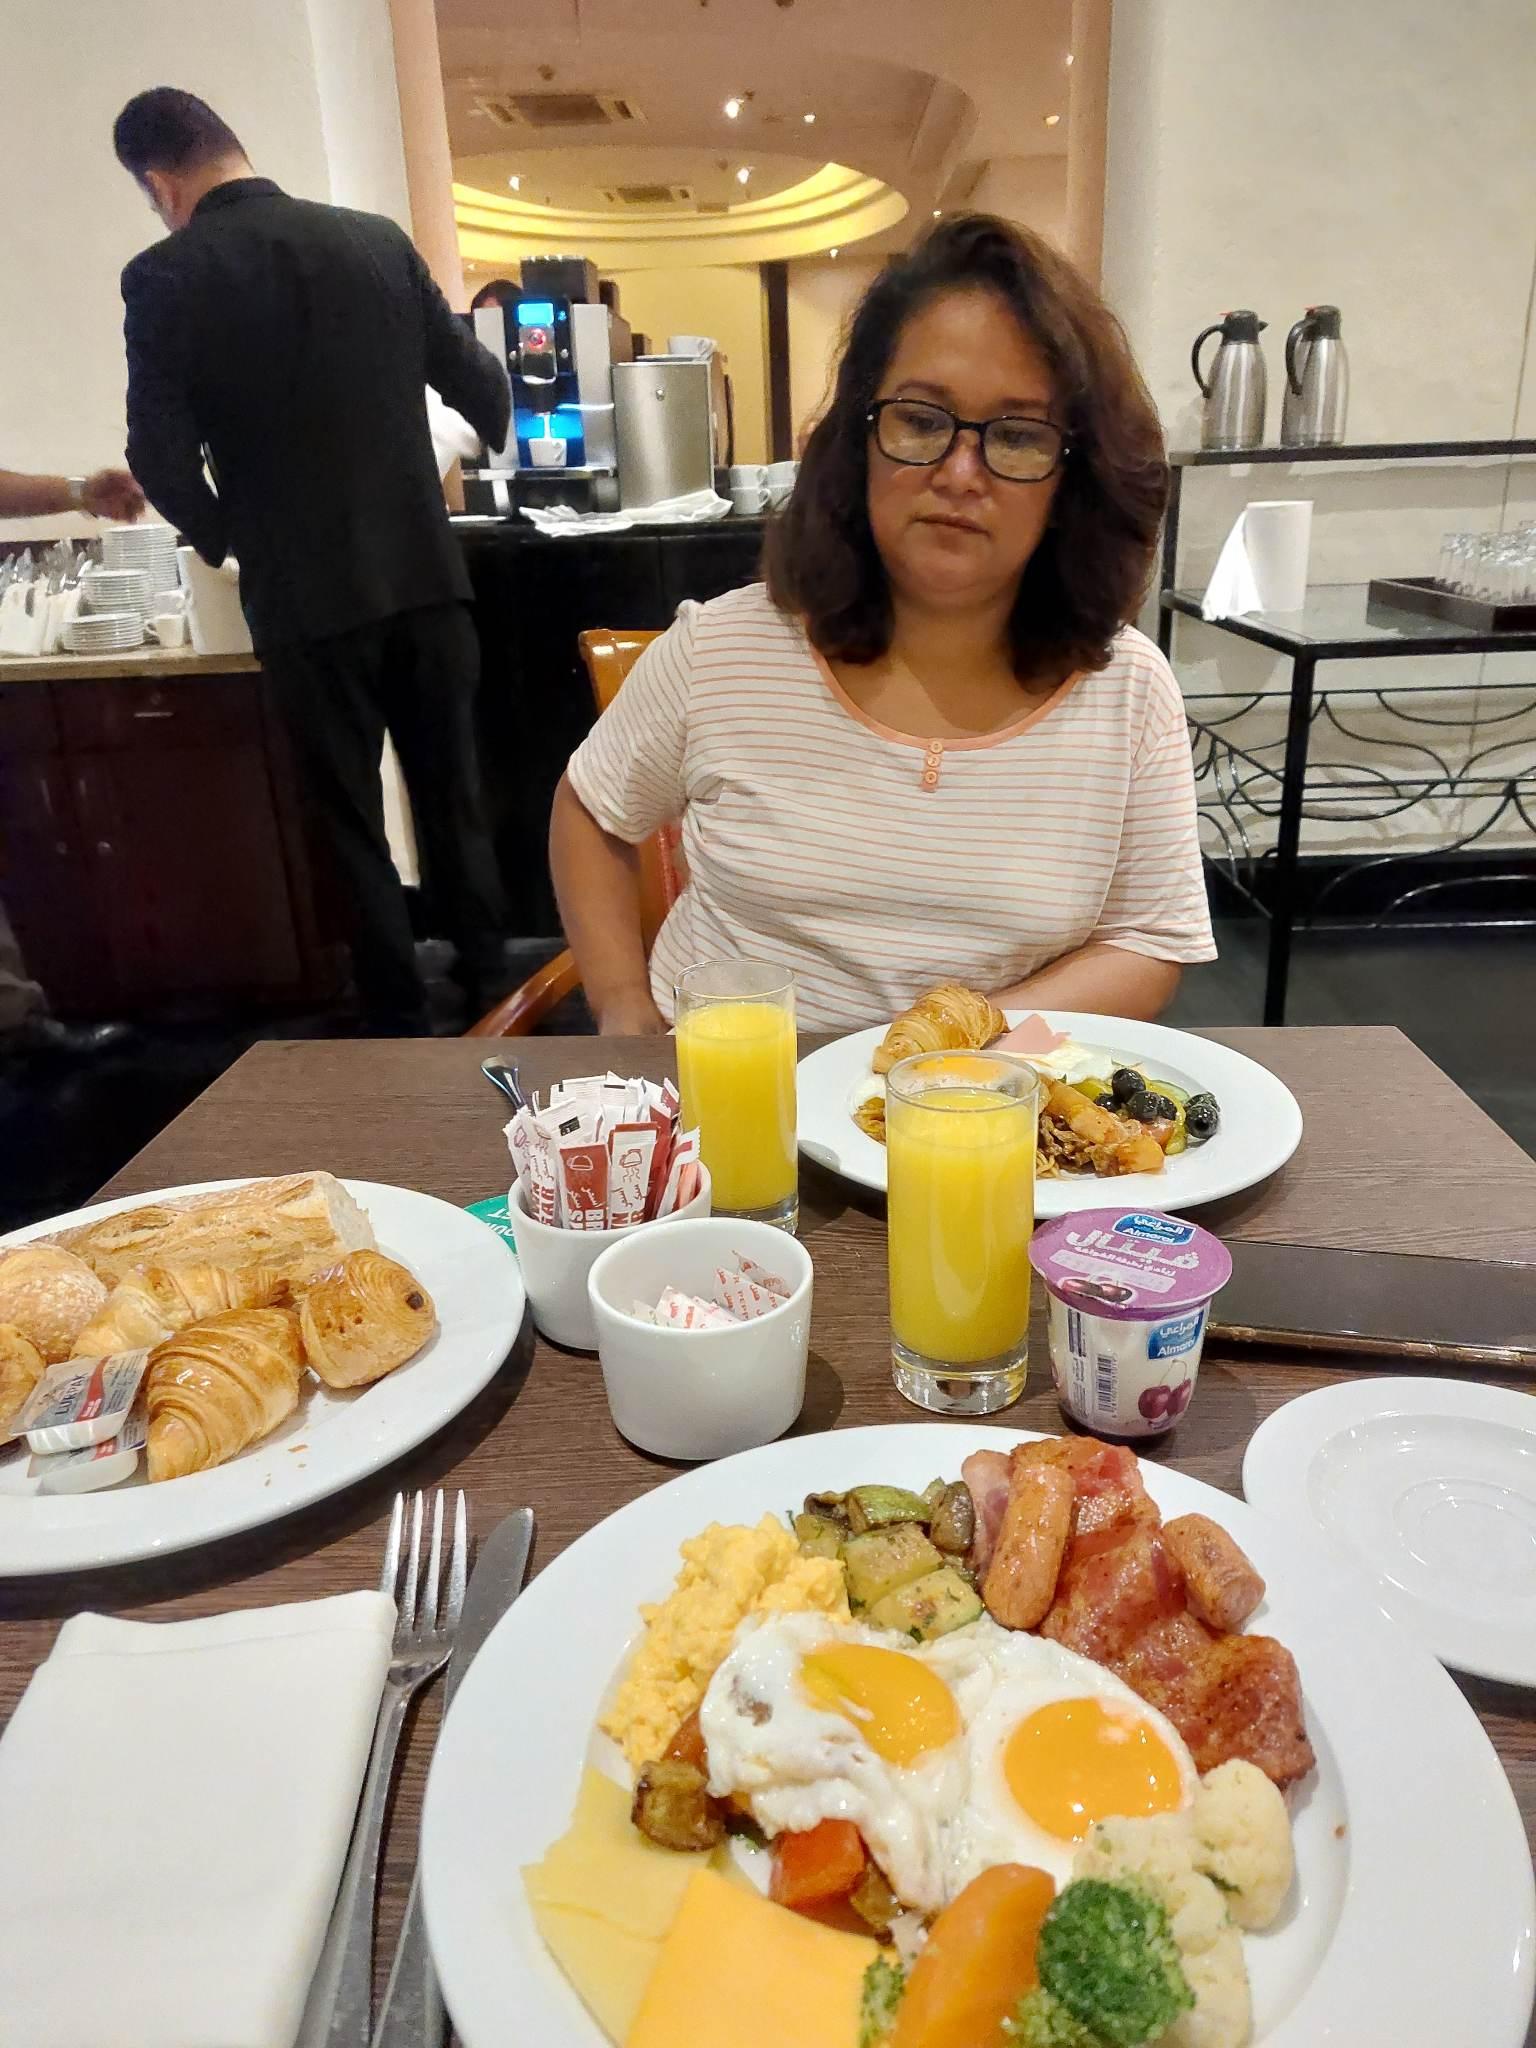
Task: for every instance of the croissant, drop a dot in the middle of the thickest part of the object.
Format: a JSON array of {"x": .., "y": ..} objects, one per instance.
[
  {"x": 21, "y": 1367},
  {"x": 217, "y": 1386},
  {"x": 49, "y": 1295},
  {"x": 948, "y": 1019},
  {"x": 364, "y": 1318},
  {"x": 147, "y": 1307}
]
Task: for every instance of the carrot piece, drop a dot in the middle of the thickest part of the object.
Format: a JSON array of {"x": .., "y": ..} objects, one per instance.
[
  {"x": 817, "y": 1865},
  {"x": 977, "y": 1963},
  {"x": 687, "y": 1745}
]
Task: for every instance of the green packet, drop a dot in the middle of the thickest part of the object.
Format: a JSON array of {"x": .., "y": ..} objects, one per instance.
[{"x": 493, "y": 1210}]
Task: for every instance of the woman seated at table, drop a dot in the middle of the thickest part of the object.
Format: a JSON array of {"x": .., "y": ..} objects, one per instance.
[{"x": 929, "y": 748}]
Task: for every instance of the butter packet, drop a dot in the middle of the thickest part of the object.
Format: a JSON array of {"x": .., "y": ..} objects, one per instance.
[
  {"x": 96, "y": 1466},
  {"x": 79, "y": 1402}
]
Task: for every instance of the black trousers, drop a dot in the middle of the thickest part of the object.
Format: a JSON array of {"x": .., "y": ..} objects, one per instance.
[{"x": 413, "y": 676}]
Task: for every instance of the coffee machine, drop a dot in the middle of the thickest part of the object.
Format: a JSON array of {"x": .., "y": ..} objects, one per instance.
[{"x": 559, "y": 340}]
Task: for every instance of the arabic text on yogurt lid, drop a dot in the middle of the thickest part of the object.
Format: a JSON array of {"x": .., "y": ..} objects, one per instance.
[{"x": 1130, "y": 1264}]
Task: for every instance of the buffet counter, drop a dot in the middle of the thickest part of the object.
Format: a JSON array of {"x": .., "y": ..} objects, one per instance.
[{"x": 152, "y": 845}]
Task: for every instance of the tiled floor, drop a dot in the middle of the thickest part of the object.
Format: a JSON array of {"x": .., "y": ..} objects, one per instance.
[{"x": 1466, "y": 998}]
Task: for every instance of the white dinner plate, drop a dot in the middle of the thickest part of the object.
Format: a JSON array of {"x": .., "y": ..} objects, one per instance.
[
  {"x": 331, "y": 1439},
  {"x": 1260, "y": 1117},
  {"x": 1414, "y": 1905},
  {"x": 1430, "y": 1486}
]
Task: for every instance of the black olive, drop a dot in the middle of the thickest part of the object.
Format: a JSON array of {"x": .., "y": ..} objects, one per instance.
[
  {"x": 1125, "y": 1082},
  {"x": 1201, "y": 1117},
  {"x": 1148, "y": 1107}
]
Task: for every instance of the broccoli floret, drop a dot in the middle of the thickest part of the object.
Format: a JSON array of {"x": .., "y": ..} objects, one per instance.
[
  {"x": 884, "y": 1982},
  {"x": 1040, "y": 2021},
  {"x": 1107, "y": 1953}
]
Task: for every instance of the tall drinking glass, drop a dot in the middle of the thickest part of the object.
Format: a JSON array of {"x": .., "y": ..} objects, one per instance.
[
  {"x": 960, "y": 1154},
  {"x": 736, "y": 1068}
]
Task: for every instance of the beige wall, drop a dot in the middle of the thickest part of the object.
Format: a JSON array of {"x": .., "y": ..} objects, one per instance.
[
  {"x": 1031, "y": 190},
  {"x": 724, "y": 301},
  {"x": 823, "y": 292},
  {"x": 308, "y": 85}
]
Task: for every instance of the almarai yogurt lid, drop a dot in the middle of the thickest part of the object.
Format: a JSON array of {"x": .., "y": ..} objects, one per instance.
[{"x": 1129, "y": 1264}]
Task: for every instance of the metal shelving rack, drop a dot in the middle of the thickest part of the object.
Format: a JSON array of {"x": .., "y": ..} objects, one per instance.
[{"x": 1240, "y": 785}]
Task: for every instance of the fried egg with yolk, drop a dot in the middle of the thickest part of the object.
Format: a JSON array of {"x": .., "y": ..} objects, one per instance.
[{"x": 984, "y": 1747}]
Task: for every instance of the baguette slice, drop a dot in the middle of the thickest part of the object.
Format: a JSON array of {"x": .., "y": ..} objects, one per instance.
[{"x": 297, "y": 1222}]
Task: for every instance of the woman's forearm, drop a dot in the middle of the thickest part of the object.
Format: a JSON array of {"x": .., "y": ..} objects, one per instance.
[
  {"x": 597, "y": 886},
  {"x": 1098, "y": 977}
]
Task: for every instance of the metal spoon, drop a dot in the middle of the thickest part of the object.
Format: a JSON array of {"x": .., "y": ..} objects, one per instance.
[{"x": 502, "y": 1076}]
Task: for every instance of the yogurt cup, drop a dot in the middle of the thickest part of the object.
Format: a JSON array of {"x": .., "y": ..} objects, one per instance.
[{"x": 1129, "y": 1292}]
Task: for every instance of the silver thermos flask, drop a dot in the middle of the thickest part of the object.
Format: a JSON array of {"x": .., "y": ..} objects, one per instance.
[
  {"x": 1316, "y": 382},
  {"x": 1235, "y": 391}
]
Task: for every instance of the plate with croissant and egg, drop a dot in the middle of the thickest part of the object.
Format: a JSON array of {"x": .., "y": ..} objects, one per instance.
[
  {"x": 179, "y": 1366},
  {"x": 1170, "y": 1119},
  {"x": 933, "y": 1736}
]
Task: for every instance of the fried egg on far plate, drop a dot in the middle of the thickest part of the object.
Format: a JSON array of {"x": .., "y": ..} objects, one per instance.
[{"x": 984, "y": 1747}]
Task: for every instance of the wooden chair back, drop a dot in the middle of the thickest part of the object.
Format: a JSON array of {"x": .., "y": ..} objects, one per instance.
[{"x": 609, "y": 657}]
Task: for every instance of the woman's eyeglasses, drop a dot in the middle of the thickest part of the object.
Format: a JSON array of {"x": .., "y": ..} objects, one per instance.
[{"x": 1017, "y": 449}]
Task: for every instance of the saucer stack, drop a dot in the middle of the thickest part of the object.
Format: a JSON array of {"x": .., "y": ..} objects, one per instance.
[
  {"x": 104, "y": 632},
  {"x": 149, "y": 549}
]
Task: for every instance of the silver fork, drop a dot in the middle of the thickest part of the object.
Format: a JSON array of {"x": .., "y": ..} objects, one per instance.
[{"x": 340, "y": 2008}]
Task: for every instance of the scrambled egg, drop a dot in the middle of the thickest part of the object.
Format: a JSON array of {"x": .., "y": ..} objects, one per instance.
[{"x": 727, "y": 1573}]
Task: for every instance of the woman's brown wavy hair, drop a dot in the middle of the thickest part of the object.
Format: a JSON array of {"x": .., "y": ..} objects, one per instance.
[{"x": 1090, "y": 572}]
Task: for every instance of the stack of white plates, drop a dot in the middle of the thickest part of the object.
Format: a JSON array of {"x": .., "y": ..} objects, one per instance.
[
  {"x": 117, "y": 590},
  {"x": 150, "y": 548},
  {"x": 104, "y": 632}
]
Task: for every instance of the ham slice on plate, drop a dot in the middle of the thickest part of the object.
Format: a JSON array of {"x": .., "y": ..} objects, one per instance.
[{"x": 1031, "y": 1039}]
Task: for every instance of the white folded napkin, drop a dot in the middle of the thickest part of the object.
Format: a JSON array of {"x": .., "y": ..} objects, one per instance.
[
  {"x": 691, "y": 509},
  {"x": 176, "y": 1800}
]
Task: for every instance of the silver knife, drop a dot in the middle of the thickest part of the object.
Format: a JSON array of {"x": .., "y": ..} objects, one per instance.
[{"x": 413, "y": 2014}]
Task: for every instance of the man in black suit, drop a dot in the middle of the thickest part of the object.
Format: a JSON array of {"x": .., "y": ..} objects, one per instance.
[{"x": 289, "y": 345}]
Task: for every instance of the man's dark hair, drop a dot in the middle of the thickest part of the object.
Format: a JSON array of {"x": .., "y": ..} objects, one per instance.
[
  {"x": 166, "y": 129},
  {"x": 1090, "y": 571},
  {"x": 496, "y": 293}
]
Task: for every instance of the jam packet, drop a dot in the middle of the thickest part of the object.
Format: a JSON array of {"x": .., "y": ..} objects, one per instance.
[{"x": 101, "y": 1465}]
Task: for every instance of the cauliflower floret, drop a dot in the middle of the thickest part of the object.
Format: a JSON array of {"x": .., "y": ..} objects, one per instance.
[
  {"x": 1159, "y": 1853},
  {"x": 1223, "y": 2012},
  {"x": 1242, "y": 1839}
]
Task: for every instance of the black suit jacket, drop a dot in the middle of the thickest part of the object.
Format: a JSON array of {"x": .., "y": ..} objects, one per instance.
[{"x": 291, "y": 345}]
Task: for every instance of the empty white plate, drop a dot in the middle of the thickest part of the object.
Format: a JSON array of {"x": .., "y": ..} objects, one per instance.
[{"x": 1430, "y": 1485}]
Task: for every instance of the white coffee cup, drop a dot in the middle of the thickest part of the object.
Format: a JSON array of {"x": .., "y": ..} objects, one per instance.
[
  {"x": 750, "y": 501},
  {"x": 749, "y": 476},
  {"x": 780, "y": 478},
  {"x": 169, "y": 629},
  {"x": 555, "y": 1264},
  {"x": 698, "y": 1394},
  {"x": 546, "y": 451}
]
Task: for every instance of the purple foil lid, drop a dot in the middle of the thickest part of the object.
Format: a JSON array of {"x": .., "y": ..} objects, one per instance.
[{"x": 1129, "y": 1264}]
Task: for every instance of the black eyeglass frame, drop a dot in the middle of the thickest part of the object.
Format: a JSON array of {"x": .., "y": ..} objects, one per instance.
[{"x": 959, "y": 426}]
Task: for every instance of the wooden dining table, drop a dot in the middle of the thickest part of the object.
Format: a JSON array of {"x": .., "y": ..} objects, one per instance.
[{"x": 1394, "y": 1157}]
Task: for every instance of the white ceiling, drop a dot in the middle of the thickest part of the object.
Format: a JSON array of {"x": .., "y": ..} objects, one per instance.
[{"x": 957, "y": 83}]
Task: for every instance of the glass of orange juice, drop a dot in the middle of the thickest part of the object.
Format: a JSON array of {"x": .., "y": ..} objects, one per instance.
[
  {"x": 960, "y": 1152},
  {"x": 736, "y": 1068}
]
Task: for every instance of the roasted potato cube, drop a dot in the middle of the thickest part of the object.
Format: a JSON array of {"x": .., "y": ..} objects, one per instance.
[{"x": 673, "y": 1808}]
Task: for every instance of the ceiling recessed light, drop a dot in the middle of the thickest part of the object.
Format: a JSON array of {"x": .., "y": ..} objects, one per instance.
[
  {"x": 743, "y": 174},
  {"x": 1051, "y": 120},
  {"x": 831, "y": 252},
  {"x": 937, "y": 211},
  {"x": 516, "y": 184},
  {"x": 809, "y": 120},
  {"x": 732, "y": 109},
  {"x": 1069, "y": 60}
]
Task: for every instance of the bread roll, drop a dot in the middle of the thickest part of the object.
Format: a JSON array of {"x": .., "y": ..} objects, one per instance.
[
  {"x": 363, "y": 1319},
  {"x": 287, "y": 1223},
  {"x": 49, "y": 1295},
  {"x": 21, "y": 1367},
  {"x": 219, "y": 1385}
]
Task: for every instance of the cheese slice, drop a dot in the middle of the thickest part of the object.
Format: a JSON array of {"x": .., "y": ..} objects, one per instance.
[
  {"x": 737, "y": 1971},
  {"x": 603, "y": 1898}
]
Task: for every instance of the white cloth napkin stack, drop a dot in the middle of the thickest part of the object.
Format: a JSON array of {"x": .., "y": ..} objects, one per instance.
[
  {"x": 1262, "y": 566},
  {"x": 693, "y": 508},
  {"x": 176, "y": 1801}
]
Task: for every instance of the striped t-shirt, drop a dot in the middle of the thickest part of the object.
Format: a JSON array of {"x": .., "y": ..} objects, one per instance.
[{"x": 874, "y": 864}]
